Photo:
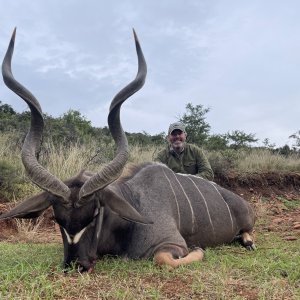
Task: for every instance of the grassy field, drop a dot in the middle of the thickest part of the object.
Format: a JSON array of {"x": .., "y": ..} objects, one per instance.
[{"x": 33, "y": 270}]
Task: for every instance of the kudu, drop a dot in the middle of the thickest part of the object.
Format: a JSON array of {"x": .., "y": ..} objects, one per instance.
[{"x": 149, "y": 212}]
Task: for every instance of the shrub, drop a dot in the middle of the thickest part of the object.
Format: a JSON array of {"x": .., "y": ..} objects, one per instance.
[{"x": 9, "y": 180}]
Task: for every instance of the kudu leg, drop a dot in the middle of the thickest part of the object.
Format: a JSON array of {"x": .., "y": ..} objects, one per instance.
[
  {"x": 247, "y": 241},
  {"x": 166, "y": 258}
]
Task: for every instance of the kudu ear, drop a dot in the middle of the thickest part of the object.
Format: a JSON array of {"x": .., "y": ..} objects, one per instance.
[
  {"x": 121, "y": 207},
  {"x": 29, "y": 208}
]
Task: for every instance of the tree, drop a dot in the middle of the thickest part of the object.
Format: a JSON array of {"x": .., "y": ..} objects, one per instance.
[
  {"x": 6, "y": 109},
  {"x": 217, "y": 142},
  {"x": 11, "y": 121},
  {"x": 296, "y": 137},
  {"x": 75, "y": 127},
  {"x": 145, "y": 139},
  {"x": 267, "y": 144},
  {"x": 240, "y": 139},
  {"x": 196, "y": 126},
  {"x": 285, "y": 150},
  {"x": 72, "y": 127}
]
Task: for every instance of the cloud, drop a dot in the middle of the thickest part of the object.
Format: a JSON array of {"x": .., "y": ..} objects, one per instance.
[{"x": 238, "y": 58}]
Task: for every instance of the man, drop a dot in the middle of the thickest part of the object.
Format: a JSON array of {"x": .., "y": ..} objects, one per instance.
[{"x": 182, "y": 157}]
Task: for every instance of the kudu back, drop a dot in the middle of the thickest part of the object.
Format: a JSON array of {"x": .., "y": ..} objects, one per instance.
[{"x": 149, "y": 212}]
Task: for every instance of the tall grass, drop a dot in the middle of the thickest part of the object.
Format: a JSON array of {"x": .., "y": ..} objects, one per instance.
[
  {"x": 65, "y": 162},
  {"x": 9, "y": 152},
  {"x": 250, "y": 161},
  {"x": 140, "y": 154},
  {"x": 262, "y": 161}
]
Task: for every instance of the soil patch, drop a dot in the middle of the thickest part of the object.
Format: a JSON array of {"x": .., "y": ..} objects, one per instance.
[{"x": 263, "y": 184}]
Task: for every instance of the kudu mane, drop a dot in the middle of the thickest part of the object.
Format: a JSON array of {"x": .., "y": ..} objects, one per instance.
[{"x": 131, "y": 170}]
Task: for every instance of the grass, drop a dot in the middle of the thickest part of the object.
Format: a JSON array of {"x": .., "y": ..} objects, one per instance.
[
  {"x": 65, "y": 162},
  {"x": 26, "y": 270},
  {"x": 141, "y": 155},
  {"x": 34, "y": 271},
  {"x": 261, "y": 161},
  {"x": 289, "y": 203},
  {"x": 250, "y": 161}
]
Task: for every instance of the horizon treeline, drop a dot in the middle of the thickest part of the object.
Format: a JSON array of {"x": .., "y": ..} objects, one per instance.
[
  {"x": 70, "y": 144},
  {"x": 72, "y": 128}
]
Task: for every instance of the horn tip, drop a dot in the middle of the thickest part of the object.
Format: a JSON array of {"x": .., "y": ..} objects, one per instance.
[
  {"x": 135, "y": 35},
  {"x": 14, "y": 34}
]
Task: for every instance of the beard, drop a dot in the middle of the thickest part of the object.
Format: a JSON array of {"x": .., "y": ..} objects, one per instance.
[
  {"x": 177, "y": 145},
  {"x": 177, "y": 141}
]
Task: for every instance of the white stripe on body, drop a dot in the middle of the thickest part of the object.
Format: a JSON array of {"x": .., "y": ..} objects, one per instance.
[
  {"x": 206, "y": 206},
  {"x": 188, "y": 199},
  {"x": 214, "y": 185},
  {"x": 178, "y": 212}
]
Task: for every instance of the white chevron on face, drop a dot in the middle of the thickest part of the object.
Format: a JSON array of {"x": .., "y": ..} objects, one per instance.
[{"x": 74, "y": 239}]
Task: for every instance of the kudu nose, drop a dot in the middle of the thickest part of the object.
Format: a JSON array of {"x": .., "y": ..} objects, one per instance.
[
  {"x": 81, "y": 267},
  {"x": 85, "y": 266}
]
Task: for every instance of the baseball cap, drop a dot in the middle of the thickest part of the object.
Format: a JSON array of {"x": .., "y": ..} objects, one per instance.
[{"x": 176, "y": 125}]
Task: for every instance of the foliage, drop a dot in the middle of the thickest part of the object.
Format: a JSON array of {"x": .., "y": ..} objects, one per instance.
[
  {"x": 73, "y": 128},
  {"x": 65, "y": 161},
  {"x": 267, "y": 144},
  {"x": 69, "y": 129},
  {"x": 287, "y": 151},
  {"x": 217, "y": 142},
  {"x": 240, "y": 139},
  {"x": 222, "y": 162},
  {"x": 72, "y": 131},
  {"x": 196, "y": 126},
  {"x": 9, "y": 179},
  {"x": 6, "y": 109},
  {"x": 296, "y": 138},
  {"x": 144, "y": 139}
]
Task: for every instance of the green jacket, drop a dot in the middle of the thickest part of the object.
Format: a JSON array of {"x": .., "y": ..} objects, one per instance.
[{"x": 190, "y": 161}]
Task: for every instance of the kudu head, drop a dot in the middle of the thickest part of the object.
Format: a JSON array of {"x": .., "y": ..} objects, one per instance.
[{"x": 78, "y": 202}]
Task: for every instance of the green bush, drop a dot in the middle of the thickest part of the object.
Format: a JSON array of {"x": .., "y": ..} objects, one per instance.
[
  {"x": 223, "y": 161},
  {"x": 9, "y": 180}
]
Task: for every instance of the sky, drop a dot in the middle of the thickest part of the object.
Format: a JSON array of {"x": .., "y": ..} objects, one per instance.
[{"x": 239, "y": 58}]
